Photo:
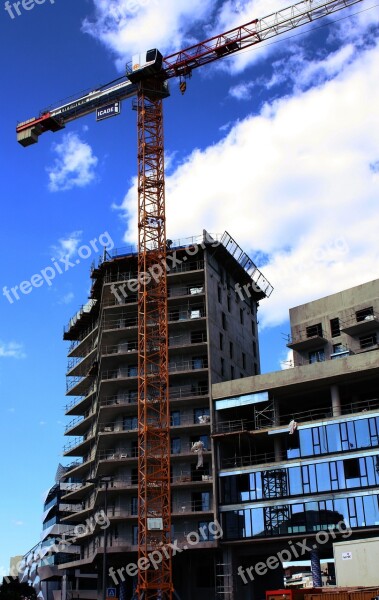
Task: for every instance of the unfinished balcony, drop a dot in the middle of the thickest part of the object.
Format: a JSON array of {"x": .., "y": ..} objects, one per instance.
[
  {"x": 80, "y": 322},
  {"x": 311, "y": 338},
  {"x": 362, "y": 322},
  {"x": 81, "y": 424},
  {"x": 80, "y": 365},
  {"x": 184, "y": 508},
  {"x": 79, "y": 446},
  {"x": 80, "y": 405},
  {"x": 86, "y": 340}
]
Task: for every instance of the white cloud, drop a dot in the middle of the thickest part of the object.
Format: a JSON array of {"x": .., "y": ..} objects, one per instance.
[
  {"x": 67, "y": 246},
  {"x": 127, "y": 27},
  {"x": 74, "y": 166},
  {"x": 242, "y": 91},
  {"x": 18, "y": 523},
  {"x": 12, "y": 350},
  {"x": 295, "y": 182},
  {"x": 67, "y": 298}
]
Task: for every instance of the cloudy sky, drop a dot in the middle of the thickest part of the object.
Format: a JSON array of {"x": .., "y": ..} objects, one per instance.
[{"x": 279, "y": 145}]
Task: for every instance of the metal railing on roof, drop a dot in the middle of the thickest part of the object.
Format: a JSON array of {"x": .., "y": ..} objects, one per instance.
[{"x": 247, "y": 264}]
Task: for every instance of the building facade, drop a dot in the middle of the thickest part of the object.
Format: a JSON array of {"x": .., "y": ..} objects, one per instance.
[
  {"x": 39, "y": 567},
  {"x": 298, "y": 450},
  {"x": 213, "y": 294}
]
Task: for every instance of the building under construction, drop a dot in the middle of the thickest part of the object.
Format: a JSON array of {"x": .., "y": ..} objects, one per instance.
[
  {"x": 298, "y": 450},
  {"x": 265, "y": 469},
  {"x": 212, "y": 338}
]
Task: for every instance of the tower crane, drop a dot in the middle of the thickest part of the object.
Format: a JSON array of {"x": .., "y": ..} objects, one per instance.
[{"x": 147, "y": 79}]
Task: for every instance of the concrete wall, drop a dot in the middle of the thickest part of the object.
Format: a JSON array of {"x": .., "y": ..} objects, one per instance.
[
  {"x": 356, "y": 562},
  {"x": 308, "y": 375}
]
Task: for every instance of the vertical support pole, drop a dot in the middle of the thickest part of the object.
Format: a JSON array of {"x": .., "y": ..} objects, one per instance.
[
  {"x": 154, "y": 500},
  {"x": 336, "y": 401},
  {"x": 316, "y": 568}
]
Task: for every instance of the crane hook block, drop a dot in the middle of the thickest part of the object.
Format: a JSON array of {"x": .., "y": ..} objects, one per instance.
[{"x": 183, "y": 86}]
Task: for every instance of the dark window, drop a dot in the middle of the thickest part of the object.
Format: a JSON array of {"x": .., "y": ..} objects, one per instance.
[
  {"x": 364, "y": 314},
  {"x": 134, "y": 448},
  {"x": 199, "y": 362},
  {"x": 241, "y": 316},
  {"x": 130, "y": 423},
  {"x": 335, "y": 327},
  {"x": 231, "y": 349},
  {"x": 200, "y": 501},
  {"x": 255, "y": 349},
  {"x": 367, "y": 341},
  {"x": 197, "y": 337},
  {"x": 222, "y": 367},
  {"x": 351, "y": 468},
  {"x": 243, "y": 360},
  {"x": 219, "y": 293},
  {"x": 134, "y": 505},
  {"x": 339, "y": 351},
  {"x": 253, "y": 328},
  {"x": 228, "y": 303},
  {"x": 232, "y": 372},
  {"x": 255, "y": 369},
  {"x": 175, "y": 418},
  {"x": 134, "y": 476},
  {"x": 132, "y": 370},
  {"x": 221, "y": 341},
  {"x": 176, "y": 445},
  {"x": 338, "y": 348},
  {"x": 223, "y": 320},
  {"x": 314, "y": 330},
  {"x": 205, "y": 534},
  {"x": 316, "y": 356}
]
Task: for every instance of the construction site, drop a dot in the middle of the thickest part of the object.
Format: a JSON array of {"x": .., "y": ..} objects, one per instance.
[{"x": 194, "y": 475}]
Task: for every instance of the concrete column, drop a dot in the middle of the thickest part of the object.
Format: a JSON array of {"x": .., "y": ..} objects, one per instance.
[
  {"x": 316, "y": 568},
  {"x": 278, "y": 448},
  {"x": 64, "y": 586},
  {"x": 336, "y": 400}
]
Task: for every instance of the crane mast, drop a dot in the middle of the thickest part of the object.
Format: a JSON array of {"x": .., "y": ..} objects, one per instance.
[
  {"x": 154, "y": 498},
  {"x": 148, "y": 81}
]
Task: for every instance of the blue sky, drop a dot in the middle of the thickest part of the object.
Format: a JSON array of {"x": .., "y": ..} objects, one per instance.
[{"x": 279, "y": 146}]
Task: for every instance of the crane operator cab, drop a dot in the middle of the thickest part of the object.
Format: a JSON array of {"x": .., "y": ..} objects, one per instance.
[
  {"x": 145, "y": 65},
  {"x": 146, "y": 68}
]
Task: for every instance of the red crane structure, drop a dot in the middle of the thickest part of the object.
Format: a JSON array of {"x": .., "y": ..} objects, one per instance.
[{"x": 147, "y": 80}]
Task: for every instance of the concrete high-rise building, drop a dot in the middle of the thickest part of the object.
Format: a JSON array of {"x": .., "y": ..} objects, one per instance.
[
  {"x": 298, "y": 450},
  {"x": 213, "y": 294}
]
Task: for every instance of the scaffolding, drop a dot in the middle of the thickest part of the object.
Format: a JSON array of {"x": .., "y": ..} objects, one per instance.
[{"x": 275, "y": 485}]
